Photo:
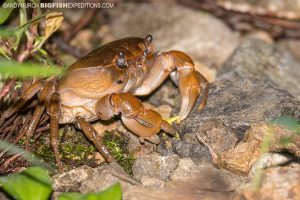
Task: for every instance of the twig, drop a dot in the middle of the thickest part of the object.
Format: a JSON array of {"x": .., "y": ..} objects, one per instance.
[
  {"x": 64, "y": 46},
  {"x": 7, "y": 122},
  {"x": 7, "y": 162},
  {"x": 13, "y": 128},
  {"x": 7, "y": 88},
  {"x": 83, "y": 22}
]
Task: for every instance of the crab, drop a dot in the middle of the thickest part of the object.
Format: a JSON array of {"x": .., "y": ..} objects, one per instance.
[{"x": 103, "y": 84}]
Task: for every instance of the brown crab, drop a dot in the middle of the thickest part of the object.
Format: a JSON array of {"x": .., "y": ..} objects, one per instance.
[{"x": 103, "y": 84}]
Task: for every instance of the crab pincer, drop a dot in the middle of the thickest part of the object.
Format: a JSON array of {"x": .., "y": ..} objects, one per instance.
[{"x": 145, "y": 123}]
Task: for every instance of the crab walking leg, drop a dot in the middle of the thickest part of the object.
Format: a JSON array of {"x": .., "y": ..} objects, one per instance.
[
  {"x": 92, "y": 134},
  {"x": 54, "y": 111},
  {"x": 28, "y": 94},
  {"x": 34, "y": 121},
  {"x": 188, "y": 81},
  {"x": 44, "y": 98}
]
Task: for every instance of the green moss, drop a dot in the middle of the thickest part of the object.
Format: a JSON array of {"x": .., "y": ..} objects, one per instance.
[
  {"x": 74, "y": 150},
  {"x": 118, "y": 147},
  {"x": 45, "y": 152},
  {"x": 77, "y": 151}
]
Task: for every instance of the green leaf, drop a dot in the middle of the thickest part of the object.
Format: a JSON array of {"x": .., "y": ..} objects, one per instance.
[
  {"x": 7, "y": 32},
  {"x": 4, "y": 53},
  {"x": 289, "y": 123},
  {"x": 21, "y": 29},
  {"x": 12, "y": 149},
  {"x": 22, "y": 70},
  {"x": 112, "y": 193},
  {"x": 33, "y": 183},
  {"x": 5, "y": 12},
  {"x": 53, "y": 22}
]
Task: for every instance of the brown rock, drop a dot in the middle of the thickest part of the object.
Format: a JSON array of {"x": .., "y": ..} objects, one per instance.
[{"x": 276, "y": 183}]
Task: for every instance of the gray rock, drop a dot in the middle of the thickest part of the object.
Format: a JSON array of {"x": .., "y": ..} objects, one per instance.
[
  {"x": 218, "y": 135},
  {"x": 86, "y": 179},
  {"x": 155, "y": 166},
  {"x": 197, "y": 152},
  {"x": 289, "y": 9},
  {"x": 186, "y": 167},
  {"x": 270, "y": 160},
  {"x": 238, "y": 102},
  {"x": 260, "y": 59},
  {"x": 176, "y": 27},
  {"x": 152, "y": 182},
  {"x": 208, "y": 175},
  {"x": 106, "y": 176},
  {"x": 190, "y": 181},
  {"x": 292, "y": 45},
  {"x": 71, "y": 181}
]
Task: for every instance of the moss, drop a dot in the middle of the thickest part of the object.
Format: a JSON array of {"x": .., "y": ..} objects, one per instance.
[
  {"x": 76, "y": 151},
  {"x": 45, "y": 152},
  {"x": 118, "y": 147}
]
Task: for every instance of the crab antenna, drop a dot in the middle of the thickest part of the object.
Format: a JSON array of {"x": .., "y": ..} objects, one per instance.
[{"x": 121, "y": 61}]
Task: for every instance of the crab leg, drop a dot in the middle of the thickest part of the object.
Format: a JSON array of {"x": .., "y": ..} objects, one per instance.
[
  {"x": 44, "y": 98},
  {"x": 92, "y": 134},
  {"x": 145, "y": 123},
  {"x": 34, "y": 121},
  {"x": 54, "y": 111},
  {"x": 189, "y": 83},
  {"x": 28, "y": 94}
]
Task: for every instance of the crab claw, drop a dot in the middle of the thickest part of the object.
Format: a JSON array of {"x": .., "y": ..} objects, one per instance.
[
  {"x": 181, "y": 67},
  {"x": 145, "y": 123},
  {"x": 189, "y": 88}
]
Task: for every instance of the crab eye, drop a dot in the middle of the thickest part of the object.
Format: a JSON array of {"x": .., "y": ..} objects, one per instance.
[
  {"x": 148, "y": 39},
  {"x": 121, "y": 61}
]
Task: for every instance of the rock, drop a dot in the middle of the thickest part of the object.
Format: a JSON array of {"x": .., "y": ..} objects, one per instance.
[
  {"x": 280, "y": 8},
  {"x": 185, "y": 168},
  {"x": 71, "y": 181},
  {"x": 238, "y": 159},
  {"x": 176, "y": 27},
  {"x": 280, "y": 138},
  {"x": 210, "y": 176},
  {"x": 106, "y": 176},
  {"x": 163, "y": 110},
  {"x": 86, "y": 179},
  {"x": 268, "y": 160},
  {"x": 190, "y": 181},
  {"x": 152, "y": 182},
  {"x": 259, "y": 34},
  {"x": 259, "y": 139},
  {"x": 260, "y": 59},
  {"x": 83, "y": 40},
  {"x": 292, "y": 45},
  {"x": 275, "y": 183},
  {"x": 206, "y": 179},
  {"x": 155, "y": 166},
  {"x": 165, "y": 94},
  {"x": 239, "y": 102},
  {"x": 186, "y": 181},
  {"x": 197, "y": 152},
  {"x": 219, "y": 136}
]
